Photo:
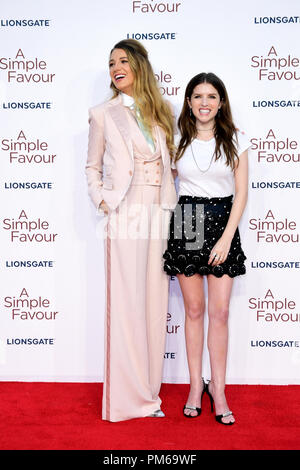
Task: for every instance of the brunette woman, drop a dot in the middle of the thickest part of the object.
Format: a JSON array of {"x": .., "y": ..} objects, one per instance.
[{"x": 211, "y": 163}]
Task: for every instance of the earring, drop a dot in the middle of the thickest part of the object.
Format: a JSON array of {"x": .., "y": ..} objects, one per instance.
[
  {"x": 191, "y": 112},
  {"x": 219, "y": 112}
]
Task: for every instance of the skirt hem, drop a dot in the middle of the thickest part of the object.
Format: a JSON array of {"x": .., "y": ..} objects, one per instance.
[{"x": 217, "y": 271}]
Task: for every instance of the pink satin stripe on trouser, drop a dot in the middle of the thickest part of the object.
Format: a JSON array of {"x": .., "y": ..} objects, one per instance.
[{"x": 136, "y": 310}]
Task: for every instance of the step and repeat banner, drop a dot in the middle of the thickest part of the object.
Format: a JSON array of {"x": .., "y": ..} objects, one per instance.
[{"x": 53, "y": 67}]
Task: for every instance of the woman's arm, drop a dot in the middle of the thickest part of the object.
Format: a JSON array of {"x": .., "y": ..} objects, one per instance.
[
  {"x": 94, "y": 165},
  {"x": 241, "y": 193}
]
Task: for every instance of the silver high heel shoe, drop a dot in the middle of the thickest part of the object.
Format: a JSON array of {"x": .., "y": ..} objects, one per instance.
[{"x": 157, "y": 414}]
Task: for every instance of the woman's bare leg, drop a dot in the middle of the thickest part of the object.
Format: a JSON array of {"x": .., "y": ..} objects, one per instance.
[
  {"x": 194, "y": 303},
  {"x": 219, "y": 291}
]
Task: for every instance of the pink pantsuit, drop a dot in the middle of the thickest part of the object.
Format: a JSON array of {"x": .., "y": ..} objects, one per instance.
[{"x": 137, "y": 186}]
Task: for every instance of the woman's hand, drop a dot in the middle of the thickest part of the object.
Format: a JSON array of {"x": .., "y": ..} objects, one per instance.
[
  {"x": 220, "y": 251},
  {"x": 104, "y": 207}
]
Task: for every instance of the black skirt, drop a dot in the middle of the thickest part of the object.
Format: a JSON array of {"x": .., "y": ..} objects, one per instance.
[{"x": 196, "y": 225}]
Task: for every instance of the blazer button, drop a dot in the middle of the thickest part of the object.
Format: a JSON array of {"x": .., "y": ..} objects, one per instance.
[
  {"x": 157, "y": 163},
  {"x": 130, "y": 172}
]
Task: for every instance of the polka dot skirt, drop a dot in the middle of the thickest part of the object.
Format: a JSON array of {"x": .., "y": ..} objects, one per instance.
[{"x": 196, "y": 225}]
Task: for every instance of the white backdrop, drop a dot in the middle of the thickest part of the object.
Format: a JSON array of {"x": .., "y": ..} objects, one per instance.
[{"x": 51, "y": 265}]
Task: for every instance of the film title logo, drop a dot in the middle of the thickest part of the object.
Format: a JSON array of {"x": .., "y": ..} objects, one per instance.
[
  {"x": 273, "y": 150},
  {"x": 25, "y": 230},
  {"x": 272, "y": 230},
  {"x": 24, "y": 151},
  {"x": 25, "y": 307},
  {"x": 21, "y": 70},
  {"x": 155, "y": 6},
  {"x": 274, "y": 310},
  {"x": 273, "y": 67},
  {"x": 171, "y": 329},
  {"x": 164, "y": 81}
]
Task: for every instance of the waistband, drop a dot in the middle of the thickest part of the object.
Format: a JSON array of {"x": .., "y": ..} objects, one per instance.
[{"x": 204, "y": 200}]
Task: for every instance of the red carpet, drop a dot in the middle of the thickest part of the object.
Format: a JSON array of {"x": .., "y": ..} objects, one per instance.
[{"x": 67, "y": 416}]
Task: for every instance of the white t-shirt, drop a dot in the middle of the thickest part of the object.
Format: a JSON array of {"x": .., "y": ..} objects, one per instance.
[{"x": 218, "y": 180}]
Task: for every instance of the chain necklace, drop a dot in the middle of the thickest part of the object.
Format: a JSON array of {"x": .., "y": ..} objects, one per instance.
[{"x": 211, "y": 160}]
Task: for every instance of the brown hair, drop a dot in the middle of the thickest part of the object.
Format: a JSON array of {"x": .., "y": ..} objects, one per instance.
[
  {"x": 225, "y": 131},
  {"x": 148, "y": 99}
]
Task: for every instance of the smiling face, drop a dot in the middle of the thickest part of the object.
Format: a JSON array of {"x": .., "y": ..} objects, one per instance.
[
  {"x": 205, "y": 103},
  {"x": 120, "y": 71}
]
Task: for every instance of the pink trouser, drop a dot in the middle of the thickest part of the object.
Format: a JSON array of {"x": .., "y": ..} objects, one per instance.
[{"x": 136, "y": 305}]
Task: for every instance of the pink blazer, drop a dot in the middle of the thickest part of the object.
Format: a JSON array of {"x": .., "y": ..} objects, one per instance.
[{"x": 110, "y": 163}]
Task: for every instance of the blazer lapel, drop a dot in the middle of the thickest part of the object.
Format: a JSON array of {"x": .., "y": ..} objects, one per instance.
[
  {"x": 163, "y": 145},
  {"x": 119, "y": 116}
]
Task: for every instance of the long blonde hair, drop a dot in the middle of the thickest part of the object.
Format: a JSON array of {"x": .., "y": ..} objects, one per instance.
[{"x": 146, "y": 94}]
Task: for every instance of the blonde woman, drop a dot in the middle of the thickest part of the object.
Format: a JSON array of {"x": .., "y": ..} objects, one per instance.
[{"x": 130, "y": 181}]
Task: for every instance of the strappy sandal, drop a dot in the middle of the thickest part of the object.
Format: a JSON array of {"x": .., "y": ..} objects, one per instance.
[
  {"x": 194, "y": 408},
  {"x": 218, "y": 417},
  {"x": 224, "y": 415}
]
